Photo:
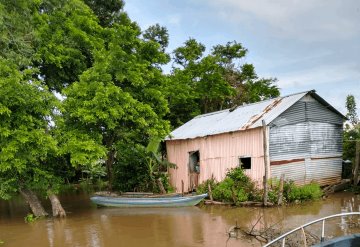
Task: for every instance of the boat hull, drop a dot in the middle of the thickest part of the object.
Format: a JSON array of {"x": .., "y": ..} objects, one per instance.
[
  {"x": 344, "y": 241},
  {"x": 147, "y": 202}
]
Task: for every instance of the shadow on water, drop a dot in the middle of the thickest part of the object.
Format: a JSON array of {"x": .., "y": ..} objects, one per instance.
[{"x": 87, "y": 225}]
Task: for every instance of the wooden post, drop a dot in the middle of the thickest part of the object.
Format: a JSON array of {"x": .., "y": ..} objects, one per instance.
[
  {"x": 357, "y": 163},
  {"x": 265, "y": 163},
  {"x": 281, "y": 189},
  {"x": 210, "y": 192},
  {"x": 182, "y": 187}
]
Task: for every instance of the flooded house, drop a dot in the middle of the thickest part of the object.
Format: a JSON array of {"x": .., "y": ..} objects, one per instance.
[{"x": 303, "y": 134}]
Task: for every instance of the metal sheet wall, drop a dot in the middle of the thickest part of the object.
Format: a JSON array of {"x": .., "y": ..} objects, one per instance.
[
  {"x": 306, "y": 143},
  {"x": 307, "y": 110},
  {"x": 316, "y": 112},
  {"x": 289, "y": 142},
  {"x": 218, "y": 153},
  {"x": 293, "y": 171},
  {"x": 321, "y": 170}
]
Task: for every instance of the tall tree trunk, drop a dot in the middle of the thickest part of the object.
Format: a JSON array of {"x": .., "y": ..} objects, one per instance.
[
  {"x": 34, "y": 202},
  {"x": 57, "y": 209},
  {"x": 110, "y": 160}
]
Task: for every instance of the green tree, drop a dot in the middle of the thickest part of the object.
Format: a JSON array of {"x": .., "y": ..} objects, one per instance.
[
  {"x": 202, "y": 83},
  {"x": 352, "y": 131},
  {"x": 68, "y": 34},
  {"x": 44, "y": 45},
  {"x": 25, "y": 142},
  {"x": 108, "y": 12},
  {"x": 351, "y": 110},
  {"x": 157, "y": 34},
  {"x": 118, "y": 100}
]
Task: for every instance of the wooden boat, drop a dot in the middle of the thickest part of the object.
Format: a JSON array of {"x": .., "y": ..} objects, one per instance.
[
  {"x": 135, "y": 194},
  {"x": 118, "y": 201}
]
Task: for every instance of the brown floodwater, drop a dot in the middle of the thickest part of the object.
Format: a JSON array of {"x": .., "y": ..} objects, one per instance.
[{"x": 87, "y": 225}]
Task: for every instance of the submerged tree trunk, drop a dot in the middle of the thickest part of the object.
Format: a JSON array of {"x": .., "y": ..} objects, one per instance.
[
  {"x": 34, "y": 202},
  {"x": 57, "y": 209}
]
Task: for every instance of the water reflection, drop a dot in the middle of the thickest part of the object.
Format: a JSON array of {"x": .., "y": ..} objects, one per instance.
[{"x": 87, "y": 225}]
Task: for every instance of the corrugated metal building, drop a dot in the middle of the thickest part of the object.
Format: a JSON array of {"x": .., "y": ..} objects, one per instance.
[{"x": 304, "y": 135}]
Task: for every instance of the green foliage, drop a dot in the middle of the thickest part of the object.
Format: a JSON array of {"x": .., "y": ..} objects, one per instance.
[
  {"x": 203, "y": 188},
  {"x": 140, "y": 168},
  {"x": 17, "y": 31},
  {"x": 204, "y": 83},
  {"x": 157, "y": 34},
  {"x": 242, "y": 196},
  {"x": 26, "y": 108},
  {"x": 108, "y": 12},
  {"x": 68, "y": 36},
  {"x": 30, "y": 218},
  {"x": 224, "y": 191},
  {"x": 352, "y": 130},
  {"x": 306, "y": 192},
  {"x": 351, "y": 108},
  {"x": 94, "y": 171},
  {"x": 236, "y": 187}
]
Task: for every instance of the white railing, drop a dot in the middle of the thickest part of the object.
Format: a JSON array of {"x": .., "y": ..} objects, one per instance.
[{"x": 283, "y": 237}]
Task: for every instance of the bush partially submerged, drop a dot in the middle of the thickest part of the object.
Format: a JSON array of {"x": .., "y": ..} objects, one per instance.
[
  {"x": 238, "y": 187},
  {"x": 306, "y": 192}
]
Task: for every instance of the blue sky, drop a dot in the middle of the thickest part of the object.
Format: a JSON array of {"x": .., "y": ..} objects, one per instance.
[{"x": 305, "y": 44}]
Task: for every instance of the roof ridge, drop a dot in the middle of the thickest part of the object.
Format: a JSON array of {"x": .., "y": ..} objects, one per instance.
[{"x": 254, "y": 103}]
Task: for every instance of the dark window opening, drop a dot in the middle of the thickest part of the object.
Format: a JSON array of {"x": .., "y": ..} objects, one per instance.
[{"x": 245, "y": 162}]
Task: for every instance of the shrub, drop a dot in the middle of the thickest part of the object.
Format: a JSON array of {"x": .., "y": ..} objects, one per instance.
[
  {"x": 306, "y": 192},
  {"x": 236, "y": 187},
  {"x": 203, "y": 188},
  {"x": 242, "y": 196},
  {"x": 224, "y": 191}
]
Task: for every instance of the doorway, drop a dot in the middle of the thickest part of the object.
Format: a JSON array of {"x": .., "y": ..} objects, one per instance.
[{"x": 194, "y": 169}]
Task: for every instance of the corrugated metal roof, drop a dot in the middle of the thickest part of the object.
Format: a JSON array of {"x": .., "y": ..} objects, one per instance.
[{"x": 243, "y": 117}]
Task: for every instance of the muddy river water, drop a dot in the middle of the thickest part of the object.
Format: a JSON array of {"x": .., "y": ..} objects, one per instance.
[{"x": 87, "y": 225}]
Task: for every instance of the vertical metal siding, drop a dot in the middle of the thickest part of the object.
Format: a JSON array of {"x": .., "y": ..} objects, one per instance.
[
  {"x": 325, "y": 139},
  {"x": 322, "y": 169},
  {"x": 293, "y": 171},
  {"x": 289, "y": 142},
  {"x": 310, "y": 132},
  {"x": 218, "y": 153},
  {"x": 293, "y": 115},
  {"x": 317, "y": 112}
]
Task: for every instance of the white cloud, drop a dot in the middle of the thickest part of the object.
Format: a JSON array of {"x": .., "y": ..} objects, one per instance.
[
  {"x": 306, "y": 20},
  {"x": 174, "y": 20},
  {"x": 325, "y": 74},
  {"x": 332, "y": 82}
]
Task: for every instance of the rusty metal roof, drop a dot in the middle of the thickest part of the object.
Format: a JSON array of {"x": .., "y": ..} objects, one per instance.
[{"x": 241, "y": 118}]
